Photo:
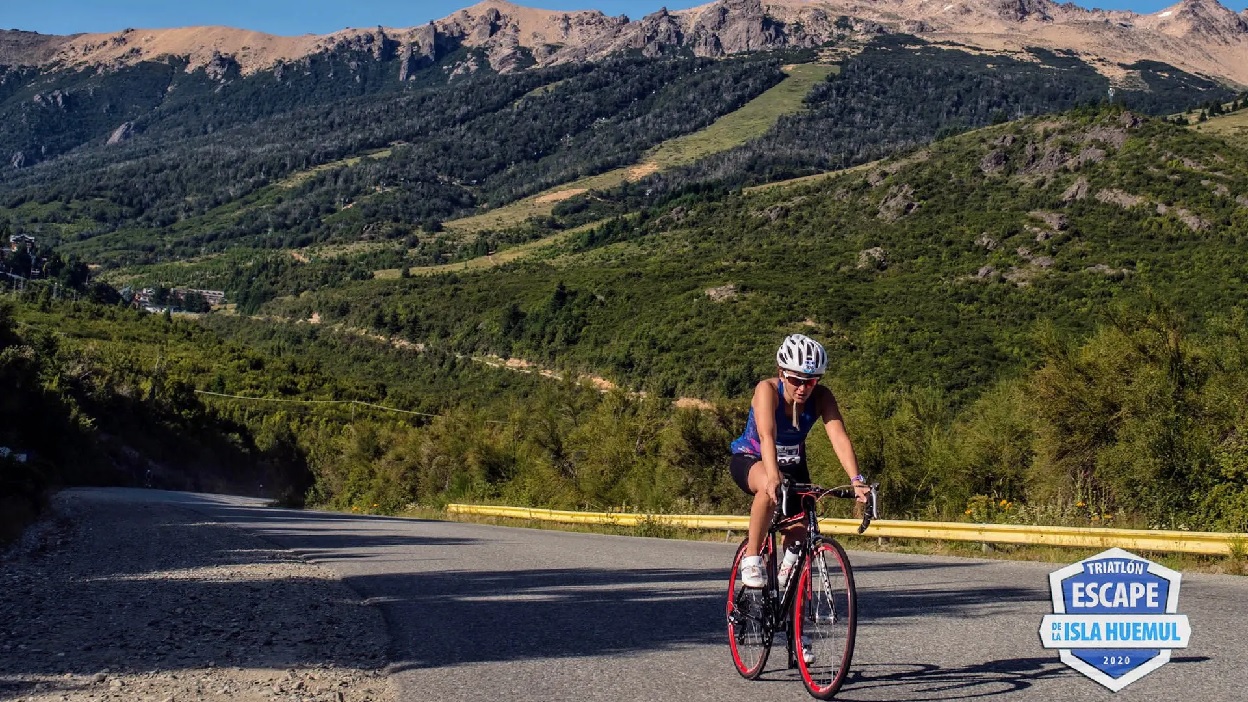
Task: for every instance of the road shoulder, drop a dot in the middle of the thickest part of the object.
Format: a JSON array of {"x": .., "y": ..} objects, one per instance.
[{"x": 117, "y": 597}]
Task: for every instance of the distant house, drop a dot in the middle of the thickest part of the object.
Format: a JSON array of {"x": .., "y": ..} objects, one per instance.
[
  {"x": 214, "y": 297},
  {"x": 146, "y": 298},
  {"x": 19, "y": 240}
]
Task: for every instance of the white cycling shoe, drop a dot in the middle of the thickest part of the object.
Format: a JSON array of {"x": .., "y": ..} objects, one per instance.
[
  {"x": 807, "y": 654},
  {"x": 752, "y": 574},
  {"x": 782, "y": 577}
]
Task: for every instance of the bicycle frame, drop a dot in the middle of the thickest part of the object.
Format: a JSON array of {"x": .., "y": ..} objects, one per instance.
[
  {"x": 758, "y": 614},
  {"x": 779, "y": 607}
]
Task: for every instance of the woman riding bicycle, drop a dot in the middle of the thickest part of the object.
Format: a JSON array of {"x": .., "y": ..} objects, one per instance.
[{"x": 782, "y": 413}]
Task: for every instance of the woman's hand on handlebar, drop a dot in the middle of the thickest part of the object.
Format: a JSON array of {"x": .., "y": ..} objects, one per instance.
[
  {"x": 771, "y": 487},
  {"x": 862, "y": 491}
]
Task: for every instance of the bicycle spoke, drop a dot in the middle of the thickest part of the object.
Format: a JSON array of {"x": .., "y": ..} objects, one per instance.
[
  {"x": 749, "y": 635},
  {"x": 825, "y": 620}
]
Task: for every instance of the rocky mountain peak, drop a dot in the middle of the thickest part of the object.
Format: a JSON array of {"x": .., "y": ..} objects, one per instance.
[
  {"x": 1201, "y": 20},
  {"x": 734, "y": 26},
  {"x": 1214, "y": 38},
  {"x": 1022, "y": 10}
]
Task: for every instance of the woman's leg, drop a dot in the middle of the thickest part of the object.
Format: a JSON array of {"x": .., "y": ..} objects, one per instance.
[
  {"x": 794, "y": 535},
  {"x": 760, "y": 511}
]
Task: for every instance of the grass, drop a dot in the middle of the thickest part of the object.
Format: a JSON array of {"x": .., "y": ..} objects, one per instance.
[
  {"x": 752, "y": 120},
  {"x": 806, "y": 180},
  {"x": 542, "y": 90},
  {"x": 540, "y": 205},
  {"x": 322, "y": 252},
  {"x": 486, "y": 262},
  {"x": 1232, "y": 127},
  {"x": 296, "y": 179}
]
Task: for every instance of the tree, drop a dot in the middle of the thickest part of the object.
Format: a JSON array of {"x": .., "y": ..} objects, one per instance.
[
  {"x": 22, "y": 262},
  {"x": 195, "y": 302},
  {"x": 74, "y": 274}
]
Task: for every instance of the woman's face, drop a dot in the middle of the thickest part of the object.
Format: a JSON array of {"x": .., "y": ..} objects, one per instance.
[{"x": 799, "y": 385}]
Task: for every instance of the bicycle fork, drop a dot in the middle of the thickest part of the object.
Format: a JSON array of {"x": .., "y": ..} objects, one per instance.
[
  {"x": 822, "y": 610},
  {"x": 786, "y": 606}
]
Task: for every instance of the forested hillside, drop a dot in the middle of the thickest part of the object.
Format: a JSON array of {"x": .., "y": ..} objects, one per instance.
[
  {"x": 901, "y": 92},
  {"x": 340, "y": 150},
  {"x": 929, "y": 269},
  {"x": 197, "y": 176},
  {"x": 1032, "y": 295}
]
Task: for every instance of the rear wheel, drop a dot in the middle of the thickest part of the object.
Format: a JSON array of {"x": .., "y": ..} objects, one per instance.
[
  {"x": 825, "y": 619},
  {"x": 749, "y": 634}
]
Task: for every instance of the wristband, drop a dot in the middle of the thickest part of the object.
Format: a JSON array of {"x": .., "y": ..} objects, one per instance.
[{"x": 860, "y": 478}]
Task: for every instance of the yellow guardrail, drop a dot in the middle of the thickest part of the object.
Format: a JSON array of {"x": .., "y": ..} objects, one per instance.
[{"x": 1210, "y": 543}]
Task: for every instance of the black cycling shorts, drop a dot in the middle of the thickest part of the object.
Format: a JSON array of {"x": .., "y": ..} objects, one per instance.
[{"x": 740, "y": 468}]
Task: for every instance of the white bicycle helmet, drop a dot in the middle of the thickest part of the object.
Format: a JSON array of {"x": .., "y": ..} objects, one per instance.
[{"x": 801, "y": 354}]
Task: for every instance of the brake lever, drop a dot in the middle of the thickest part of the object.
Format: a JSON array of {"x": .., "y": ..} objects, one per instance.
[
  {"x": 782, "y": 495},
  {"x": 871, "y": 511}
]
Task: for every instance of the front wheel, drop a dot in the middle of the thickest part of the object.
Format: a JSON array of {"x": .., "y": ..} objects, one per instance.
[
  {"x": 825, "y": 620},
  {"x": 749, "y": 633}
]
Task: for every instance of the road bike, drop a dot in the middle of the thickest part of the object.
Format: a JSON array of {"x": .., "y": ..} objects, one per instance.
[{"x": 816, "y": 608}]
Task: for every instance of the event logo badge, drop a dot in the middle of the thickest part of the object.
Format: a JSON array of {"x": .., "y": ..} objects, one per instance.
[{"x": 1115, "y": 617}]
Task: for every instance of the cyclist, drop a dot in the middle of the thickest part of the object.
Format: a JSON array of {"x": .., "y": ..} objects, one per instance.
[{"x": 782, "y": 413}]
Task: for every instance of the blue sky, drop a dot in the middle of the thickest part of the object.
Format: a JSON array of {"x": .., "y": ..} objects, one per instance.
[{"x": 291, "y": 17}]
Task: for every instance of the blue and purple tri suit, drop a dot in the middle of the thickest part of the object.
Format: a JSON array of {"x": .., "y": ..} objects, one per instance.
[{"x": 790, "y": 443}]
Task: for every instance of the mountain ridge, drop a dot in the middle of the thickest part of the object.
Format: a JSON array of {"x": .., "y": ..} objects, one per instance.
[{"x": 1201, "y": 36}]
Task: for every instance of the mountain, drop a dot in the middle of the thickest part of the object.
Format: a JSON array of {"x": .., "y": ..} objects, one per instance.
[
  {"x": 1204, "y": 20},
  {"x": 943, "y": 276},
  {"x": 143, "y": 148},
  {"x": 1199, "y": 36},
  {"x": 988, "y": 301}
]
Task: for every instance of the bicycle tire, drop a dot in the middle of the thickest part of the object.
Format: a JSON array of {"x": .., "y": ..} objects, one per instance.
[
  {"x": 749, "y": 633},
  {"x": 825, "y": 619}
]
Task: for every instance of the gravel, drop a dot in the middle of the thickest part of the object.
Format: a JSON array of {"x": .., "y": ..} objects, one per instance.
[{"x": 115, "y": 600}]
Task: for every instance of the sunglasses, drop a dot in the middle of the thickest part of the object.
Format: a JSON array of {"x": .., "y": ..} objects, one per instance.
[{"x": 799, "y": 380}]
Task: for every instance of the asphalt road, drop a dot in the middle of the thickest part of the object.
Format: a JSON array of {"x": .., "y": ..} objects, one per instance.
[{"x": 491, "y": 613}]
